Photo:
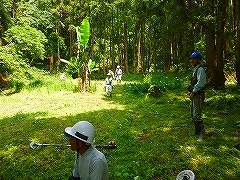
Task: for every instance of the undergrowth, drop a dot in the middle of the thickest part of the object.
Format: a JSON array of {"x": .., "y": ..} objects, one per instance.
[{"x": 163, "y": 83}]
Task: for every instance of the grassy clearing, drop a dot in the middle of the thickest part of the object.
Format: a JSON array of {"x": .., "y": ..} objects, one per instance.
[{"x": 153, "y": 134}]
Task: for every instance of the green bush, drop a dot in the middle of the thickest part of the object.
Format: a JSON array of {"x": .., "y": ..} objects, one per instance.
[
  {"x": 27, "y": 41},
  {"x": 163, "y": 83},
  {"x": 136, "y": 88}
]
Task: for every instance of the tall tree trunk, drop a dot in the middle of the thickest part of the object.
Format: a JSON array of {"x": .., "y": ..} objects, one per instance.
[
  {"x": 112, "y": 59},
  {"x": 210, "y": 46},
  {"x": 150, "y": 44},
  {"x": 58, "y": 34},
  {"x": 119, "y": 49},
  {"x": 126, "y": 48},
  {"x": 71, "y": 31},
  {"x": 154, "y": 51},
  {"x": 119, "y": 42},
  {"x": 58, "y": 46},
  {"x": 167, "y": 45},
  {"x": 210, "y": 54},
  {"x": 84, "y": 76},
  {"x": 167, "y": 54},
  {"x": 220, "y": 80},
  {"x": 105, "y": 59},
  {"x": 139, "y": 57},
  {"x": 238, "y": 41},
  {"x": 142, "y": 50},
  {"x": 227, "y": 39},
  {"x": 235, "y": 16}
]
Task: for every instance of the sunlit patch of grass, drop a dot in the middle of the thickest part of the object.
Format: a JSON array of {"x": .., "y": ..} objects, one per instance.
[
  {"x": 10, "y": 150},
  {"x": 199, "y": 161},
  {"x": 153, "y": 135}
]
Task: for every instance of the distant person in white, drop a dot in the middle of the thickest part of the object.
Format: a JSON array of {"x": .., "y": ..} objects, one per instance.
[
  {"x": 118, "y": 74},
  {"x": 109, "y": 85}
]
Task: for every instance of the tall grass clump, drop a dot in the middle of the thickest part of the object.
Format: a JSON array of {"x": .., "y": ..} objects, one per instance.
[
  {"x": 224, "y": 100},
  {"x": 136, "y": 88},
  {"x": 35, "y": 79},
  {"x": 24, "y": 76},
  {"x": 52, "y": 83},
  {"x": 163, "y": 83}
]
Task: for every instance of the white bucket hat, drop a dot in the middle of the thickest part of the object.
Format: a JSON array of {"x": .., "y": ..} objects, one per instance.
[{"x": 82, "y": 130}]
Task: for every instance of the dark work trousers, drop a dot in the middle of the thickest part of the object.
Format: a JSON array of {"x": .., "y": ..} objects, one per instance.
[{"x": 196, "y": 112}]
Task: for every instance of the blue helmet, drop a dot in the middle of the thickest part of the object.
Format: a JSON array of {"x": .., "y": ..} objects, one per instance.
[{"x": 196, "y": 55}]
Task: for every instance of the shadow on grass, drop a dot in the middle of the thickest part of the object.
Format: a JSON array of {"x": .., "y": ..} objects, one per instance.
[{"x": 153, "y": 139}]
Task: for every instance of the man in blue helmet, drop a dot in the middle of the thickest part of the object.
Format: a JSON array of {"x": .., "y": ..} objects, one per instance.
[{"x": 196, "y": 93}]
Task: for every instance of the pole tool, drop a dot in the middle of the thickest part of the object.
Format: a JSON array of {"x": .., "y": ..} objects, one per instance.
[{"x": 111, "y": 145}]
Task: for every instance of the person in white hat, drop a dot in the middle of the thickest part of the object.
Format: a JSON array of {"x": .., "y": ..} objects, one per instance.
[
  {"x": 89, "y": 162},
  {"x": 109, "y": 85},
  {"x": 118, "y": 74}
]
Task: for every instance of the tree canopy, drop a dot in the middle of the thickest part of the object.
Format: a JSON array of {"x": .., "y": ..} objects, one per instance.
[
  {"x": 27, "y": 41},
  {"x": 140, "y": 35}
]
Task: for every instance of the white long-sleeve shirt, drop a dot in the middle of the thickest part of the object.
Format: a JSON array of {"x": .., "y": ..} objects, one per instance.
[
  {"x": 92, "y": 165},
  {"x": 109, "y": 81}
]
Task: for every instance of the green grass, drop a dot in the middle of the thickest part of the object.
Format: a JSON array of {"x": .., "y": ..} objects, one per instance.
[{"x": 153, "y": 135}]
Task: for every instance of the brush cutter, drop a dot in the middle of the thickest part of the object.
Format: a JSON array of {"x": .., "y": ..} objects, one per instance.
[{"x": 34, "y": 145}]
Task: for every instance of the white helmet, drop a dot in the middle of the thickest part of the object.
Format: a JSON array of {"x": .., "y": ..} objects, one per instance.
[
  {"x": 186, "y": 175},
  {"x": 82, "y": 130}
]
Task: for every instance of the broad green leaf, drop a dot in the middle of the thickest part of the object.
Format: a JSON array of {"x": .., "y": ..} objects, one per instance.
[
  {"x": 83, "y": 33},
  {"x": 91, "y": 65},
  {"x": 67, "y": 62}
]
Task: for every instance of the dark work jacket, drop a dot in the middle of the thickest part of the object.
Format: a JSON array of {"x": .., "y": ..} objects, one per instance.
[{"x": 194, "y": 81}]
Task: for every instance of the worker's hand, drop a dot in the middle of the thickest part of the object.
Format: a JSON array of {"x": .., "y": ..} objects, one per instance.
[{"x": 192, "y": 96}]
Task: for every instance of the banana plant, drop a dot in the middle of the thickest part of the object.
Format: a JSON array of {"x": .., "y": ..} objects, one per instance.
[
  {"x": 83, "y": 34},
  {"x": 79, "y": 63}
]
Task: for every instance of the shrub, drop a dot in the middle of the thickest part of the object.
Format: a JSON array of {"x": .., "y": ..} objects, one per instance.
[
  {"x": 163, "y": 83},
  {"x": 27, "y": 41},
  {"x": 136, "y": 88}
]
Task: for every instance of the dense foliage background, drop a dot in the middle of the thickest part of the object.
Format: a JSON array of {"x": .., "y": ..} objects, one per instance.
[{"x": 140, "y": 35}]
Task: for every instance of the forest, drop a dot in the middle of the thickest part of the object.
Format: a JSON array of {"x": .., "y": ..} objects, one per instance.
[
  {"x": 140, "y": 35},
  {"x": 41, "y": 40}
]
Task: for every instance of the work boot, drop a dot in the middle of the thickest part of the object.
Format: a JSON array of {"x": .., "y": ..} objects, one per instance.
[
  {"x": 195, "y": 133},
  {"x": 200, "y": 137},
  {"x": 195, "y": 130}
]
